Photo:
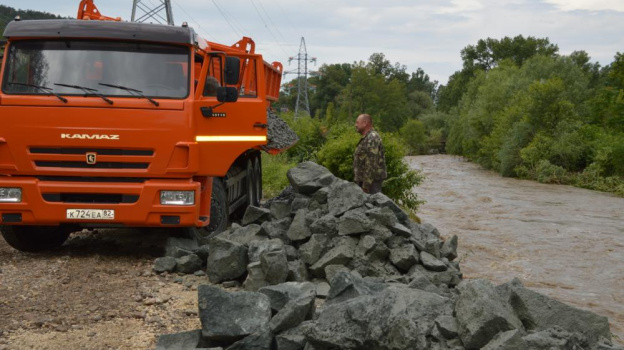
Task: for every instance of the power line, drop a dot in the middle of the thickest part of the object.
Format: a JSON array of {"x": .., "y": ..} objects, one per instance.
[
  {"x": 271, "y": 20},
  {"x": 285, "y": 16},
  {"x": 267, "y": 27},
  {"x": 225, "y": 16},
  {"x": 194, "y": 21}
]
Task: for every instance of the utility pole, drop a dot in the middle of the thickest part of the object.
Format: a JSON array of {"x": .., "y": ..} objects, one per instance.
[
  {"x": 151, "y": 11},
  {"x": 303, "y": 103}
]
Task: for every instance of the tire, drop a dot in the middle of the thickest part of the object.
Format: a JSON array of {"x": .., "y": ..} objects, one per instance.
[
  {"x": 219, "y": 208},
  {"x": 258, "y": 179},
  {"x": 35, "y": 238}
]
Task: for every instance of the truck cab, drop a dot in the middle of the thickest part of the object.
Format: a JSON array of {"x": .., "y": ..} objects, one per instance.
[{"x": 118, "y": 124}]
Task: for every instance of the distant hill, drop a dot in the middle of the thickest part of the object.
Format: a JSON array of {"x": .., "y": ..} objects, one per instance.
[{"x": 8, "y": 13}]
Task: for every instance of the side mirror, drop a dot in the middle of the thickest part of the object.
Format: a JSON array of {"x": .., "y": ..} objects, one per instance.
[
  {"x": 227, "y": 94},
  {"x": 232, "y": 70}
]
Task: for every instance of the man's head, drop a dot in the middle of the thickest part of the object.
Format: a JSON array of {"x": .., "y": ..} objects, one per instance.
[{"x": 363, "y": 123}]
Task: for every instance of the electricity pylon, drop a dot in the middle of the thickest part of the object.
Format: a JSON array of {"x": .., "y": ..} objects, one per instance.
[
  {"x": 153, "y": 11},
  {"x": 302, "y": 59}
]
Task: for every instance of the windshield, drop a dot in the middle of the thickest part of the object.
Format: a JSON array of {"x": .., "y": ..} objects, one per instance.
[{"x": 152, "y": 69}]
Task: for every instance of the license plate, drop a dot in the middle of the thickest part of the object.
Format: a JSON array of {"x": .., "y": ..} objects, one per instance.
[{"x": 91, "y": 214}]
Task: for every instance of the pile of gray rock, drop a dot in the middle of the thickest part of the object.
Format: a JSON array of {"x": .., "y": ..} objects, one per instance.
[
  {"x": 279, "y": 134},
  {"x": 362, "y": 313},
  {"x": 322, "y": 226},
  {"x": 327, "y": 266}
]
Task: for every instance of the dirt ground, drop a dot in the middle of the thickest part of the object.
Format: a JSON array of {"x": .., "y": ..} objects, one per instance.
[{"x": 98, "y": 291}]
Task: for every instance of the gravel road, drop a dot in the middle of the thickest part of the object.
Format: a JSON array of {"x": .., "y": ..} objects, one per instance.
[{"x": 96, "y": 292}]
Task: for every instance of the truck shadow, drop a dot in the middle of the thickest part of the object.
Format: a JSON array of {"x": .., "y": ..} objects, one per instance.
[{"x": 139, "y": 243}]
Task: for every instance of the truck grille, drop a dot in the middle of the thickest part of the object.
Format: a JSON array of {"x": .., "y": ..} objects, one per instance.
[
  {"x": 116, "y": 158},
  {"x": 99, "y": 198},
  {"x": 100, "y": 151},
  {"x": 99, "y": 165}
]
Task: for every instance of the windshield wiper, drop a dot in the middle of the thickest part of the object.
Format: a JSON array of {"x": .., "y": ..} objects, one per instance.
[
  {"x": 44, "y": 88},
  {"x": 131, "y": 90},
  {"x": 88, "y": 91}
]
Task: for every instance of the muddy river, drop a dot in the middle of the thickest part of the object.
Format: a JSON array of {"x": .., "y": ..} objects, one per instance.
[{"x": 565, "y": 242}]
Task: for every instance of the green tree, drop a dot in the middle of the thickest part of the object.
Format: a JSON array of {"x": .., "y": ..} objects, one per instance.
[
  {"x": 329, "y": 82},
  {"x": 487, "y": 54},
  {"x": 369, "y": 92},
  {"x": 414, "y": 137}
]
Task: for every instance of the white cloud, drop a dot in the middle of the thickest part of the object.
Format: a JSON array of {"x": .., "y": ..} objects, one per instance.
[
  {"x": 460, "y": 6},
  {"x": 588, "y": 5},
  {"x": 416, "y": 33}
]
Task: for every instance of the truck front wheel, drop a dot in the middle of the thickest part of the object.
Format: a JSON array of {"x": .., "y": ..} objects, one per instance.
[
  {"x": 219, "y": 208},
  {"x": 35, "y": 238}
]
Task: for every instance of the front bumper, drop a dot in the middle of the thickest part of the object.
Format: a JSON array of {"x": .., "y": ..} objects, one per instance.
[{"x": 46, "y": 202}]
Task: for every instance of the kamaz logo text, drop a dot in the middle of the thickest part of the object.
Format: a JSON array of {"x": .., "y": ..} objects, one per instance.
[{"x": 90, "y": 136}]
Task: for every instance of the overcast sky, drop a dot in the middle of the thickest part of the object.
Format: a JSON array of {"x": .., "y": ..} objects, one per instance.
[{"x": 417, "y": 33}]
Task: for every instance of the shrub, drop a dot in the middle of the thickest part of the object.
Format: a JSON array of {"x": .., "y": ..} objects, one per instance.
[
  {"x": 337, "y": 156},
  {"x": 310, "y": 135}
]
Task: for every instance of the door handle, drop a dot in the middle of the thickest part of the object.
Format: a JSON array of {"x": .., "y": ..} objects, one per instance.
[{"x": 260, "y": 125}]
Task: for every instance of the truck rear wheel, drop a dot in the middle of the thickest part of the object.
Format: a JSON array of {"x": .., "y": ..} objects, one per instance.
[
  {"x": 35, "y": 238},
  {"x": 251, "y": 184},
  {"x": 257, "y": 180}
]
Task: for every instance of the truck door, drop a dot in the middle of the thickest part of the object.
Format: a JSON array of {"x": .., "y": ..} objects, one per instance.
[{"x": 233, "y": 127}]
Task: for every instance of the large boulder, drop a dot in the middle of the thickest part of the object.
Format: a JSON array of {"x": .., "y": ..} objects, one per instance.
[
  {"x": 383, "y": 201},
  {"x": 259, "y": 340},
  {"x": 274, "y": 264},
  {"x": 509, "y": 340},
  {"x": 354, "y": 222},
  {"x": 539, "y": 312},
  {"x": 449, "y": 248},
  {"x": 277, "y": 228},
  {"x": 341, "y": 254},
  {"x": 404, "y": 257},
  {"x": 177, "y": 247},
  {"x": 395, "y": 318},
  {"x": 344, "y": 196},
  {"x": 164, "y": 264},
  {"x": 308, "y": 177},
  {"x": 188, "y": 264},
  {"x": 257, "y": 248},
  {"x": 383, "y": 215},
  {"x": 179, "y": 341},
  {"x": 482, "y": 313},
  {"x": 312, "y": 250},
  {"x": 430, "y": 262},
  {"x": 345, "y": 286},
  {"x": 325, "y": 225},
  {"x": 279, "y": 295},
  {"x": 256, "y": 215},
  {"x": 247, "y": 234},
  {"x": 227, "y": 261},
  {"x": 231, "y": 316},
  {"x": 299, "y": 228},
  {"x": 292, "y": 314},
  {"x": 555, "y": 338}
]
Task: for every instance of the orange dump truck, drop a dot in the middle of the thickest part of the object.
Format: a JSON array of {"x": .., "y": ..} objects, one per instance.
[{"x": 106, "y": 123}]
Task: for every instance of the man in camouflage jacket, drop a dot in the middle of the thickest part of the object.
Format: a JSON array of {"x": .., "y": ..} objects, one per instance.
[{"x": 369, "y": 161}]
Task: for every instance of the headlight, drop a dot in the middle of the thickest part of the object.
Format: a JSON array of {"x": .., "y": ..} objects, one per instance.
[
  {"x": 177, "y": 197},
  {"x": 10, "y": 195}
]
